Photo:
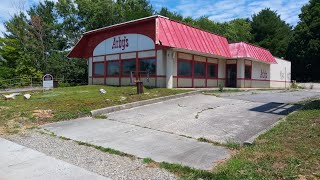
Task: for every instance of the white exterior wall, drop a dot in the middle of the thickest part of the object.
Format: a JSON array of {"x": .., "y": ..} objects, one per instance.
[
  {"x": 280, "y": 74},
  {"x": 146, "y": 54},
  {"x": 260, "y": 75},
  {"x": 161, "y": 68},
  {"x": 170, "y": 68},
  {"x": 240, "y": 73},
  {"x": 221, "y": 72}
]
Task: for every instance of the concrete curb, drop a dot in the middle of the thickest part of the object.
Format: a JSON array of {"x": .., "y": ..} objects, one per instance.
[{"x": 140, "y": 103}]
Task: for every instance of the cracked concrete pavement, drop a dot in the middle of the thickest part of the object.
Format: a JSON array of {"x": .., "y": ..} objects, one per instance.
[
  {"x": 168, "y": 131},
  {"x": 204, "y": 116},
  {"x": 141, "y": 142}
]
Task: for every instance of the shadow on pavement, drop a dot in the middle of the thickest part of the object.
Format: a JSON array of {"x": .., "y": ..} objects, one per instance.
[{"x": 277, "y": 108}]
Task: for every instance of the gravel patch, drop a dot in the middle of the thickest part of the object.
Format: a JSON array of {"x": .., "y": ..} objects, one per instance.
[{"x": 91, "y": 159}]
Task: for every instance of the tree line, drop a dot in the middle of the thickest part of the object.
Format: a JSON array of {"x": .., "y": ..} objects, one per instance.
[{"x": 38, "y": 39}]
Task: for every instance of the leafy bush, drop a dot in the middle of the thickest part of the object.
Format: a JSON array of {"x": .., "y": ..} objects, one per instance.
[{"x": 64, "y": 84}]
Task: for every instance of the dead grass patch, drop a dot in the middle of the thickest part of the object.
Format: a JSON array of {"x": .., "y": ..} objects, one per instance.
[
  {"x": 42, "y": 114},
  {"x": 279, "y": 165}
]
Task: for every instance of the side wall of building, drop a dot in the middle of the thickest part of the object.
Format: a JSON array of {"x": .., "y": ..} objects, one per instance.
[{"x": 281, "y": 74}]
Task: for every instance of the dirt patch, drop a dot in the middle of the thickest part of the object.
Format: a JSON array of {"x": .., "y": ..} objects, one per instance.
[
  {"x": 3, "y": 130},
  {"x": 301, "y": 177},
  {"x": 316, "y": 121},
  {"x": 4, "y": 108},
  {"x": 279, "y": 165},
  {"x": 153, "y": 165},
  {"x": 42, "y": 114}
]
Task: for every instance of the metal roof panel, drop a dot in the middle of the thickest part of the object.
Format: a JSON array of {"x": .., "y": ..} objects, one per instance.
[{"x": 246, "y": 50}]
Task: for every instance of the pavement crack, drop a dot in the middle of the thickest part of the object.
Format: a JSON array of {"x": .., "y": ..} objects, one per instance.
[
  {"x": 206, "y": 109},
  {"x": 181, "y": 105}
]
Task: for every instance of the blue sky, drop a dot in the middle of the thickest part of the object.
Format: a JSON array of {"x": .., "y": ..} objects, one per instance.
[{"x": 217, "y": 10}]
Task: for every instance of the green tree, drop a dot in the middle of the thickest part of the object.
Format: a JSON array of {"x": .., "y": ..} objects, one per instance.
[
  {"x": 304, "y": 47},
  {"x": 172, "y": 15},
  {"x": 100, "y": 13},
  {"x": 270, "y": 32},
  {"x": 70, "y": 27},
  {"x": 239, "y": 30}
]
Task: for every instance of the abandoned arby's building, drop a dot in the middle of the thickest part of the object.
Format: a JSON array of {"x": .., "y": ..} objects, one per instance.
[{"x": 167, "y": 53}]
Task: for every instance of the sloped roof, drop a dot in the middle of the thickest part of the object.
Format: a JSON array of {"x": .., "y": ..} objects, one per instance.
[
  {"x": 246, "y": 50},
  {"x": 178, "y": 35},
  {"x": 170, "y": 33}
]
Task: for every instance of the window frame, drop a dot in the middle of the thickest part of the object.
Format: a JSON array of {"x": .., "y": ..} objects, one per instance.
[
  {"x": 217, "y": 68},
  {"x": 148, "y": 59},
  {"x": 250, "y": 70},
  {"x": 121, "y": 68},
  {"x": 93, "y": 69},
  {"x": 191, "y": 68},
  {"x": 107, "y": 75},
  {"x": 204, "y": 69}
]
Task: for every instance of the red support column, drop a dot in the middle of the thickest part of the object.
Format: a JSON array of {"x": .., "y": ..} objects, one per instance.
[
  {"x": 105, "y": 70},
  {"x": 192, "y": 70},
  {"x": 156, "y": 77},
  {"x": 206, "y": 71},
  {"x": 120, "y": 69},
  {"x": 137, "y": 64},
  {"x": 92, "y": 70}
]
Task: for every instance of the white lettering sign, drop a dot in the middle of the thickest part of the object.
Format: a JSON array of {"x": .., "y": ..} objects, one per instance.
[
  {"x": 47, "y": 81},
  {"x": 124, "y": 43}
]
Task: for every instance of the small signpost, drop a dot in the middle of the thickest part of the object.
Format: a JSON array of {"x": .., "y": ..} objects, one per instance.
[
  {"x": 138, "y": 81},
  {"x": 47, "y": 81}
]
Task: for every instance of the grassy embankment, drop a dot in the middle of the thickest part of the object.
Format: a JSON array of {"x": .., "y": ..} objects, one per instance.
[{"x": 67, "y": 103}]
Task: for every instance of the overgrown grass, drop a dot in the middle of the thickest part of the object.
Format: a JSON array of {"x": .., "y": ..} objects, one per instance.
[
  {"x": 67, "y": 103},
  {"x": 101, "y": 116},
  {"x": 230, "y": 144},
  {"x": 107, "y": 150}
]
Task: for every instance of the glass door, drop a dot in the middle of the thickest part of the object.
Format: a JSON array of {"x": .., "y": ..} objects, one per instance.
[{"x": 231, "y": 75}]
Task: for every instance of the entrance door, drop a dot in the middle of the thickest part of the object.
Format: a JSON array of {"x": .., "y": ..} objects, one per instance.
[{"x": 231, "y": 75}]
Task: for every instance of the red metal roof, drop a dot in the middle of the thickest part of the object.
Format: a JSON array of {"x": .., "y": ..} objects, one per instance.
[
  {"x": 172, "y": 34},
  {"x": 246, "y": 50},
  {"x": 178, "y": 35}
]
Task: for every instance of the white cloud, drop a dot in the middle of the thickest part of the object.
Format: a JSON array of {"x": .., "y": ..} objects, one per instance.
[
  {"x": 10, "y": 7},
  {"x": 226, "y": 10}
]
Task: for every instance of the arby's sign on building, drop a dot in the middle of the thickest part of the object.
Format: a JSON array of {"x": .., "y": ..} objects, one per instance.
[{"x": 124, "y": 43}]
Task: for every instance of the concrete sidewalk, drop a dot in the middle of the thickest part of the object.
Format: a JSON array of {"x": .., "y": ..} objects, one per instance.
[
  {"x": 18, "y": 162},
  {"x": 141, "y": 142}
]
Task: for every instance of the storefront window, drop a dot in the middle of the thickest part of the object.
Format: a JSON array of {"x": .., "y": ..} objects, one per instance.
[
  {"x": 98, "y": 69},
  {"x": 113, "y": 68},
  {"x": 212, "y": 71},
  {"x": 184, "y": 68},
  {"x": 247, "y": 72},
  {"x": 128, "y": 66},
  {"x": 199, "y": 69},
  {"x": 148, "y": 65}
]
